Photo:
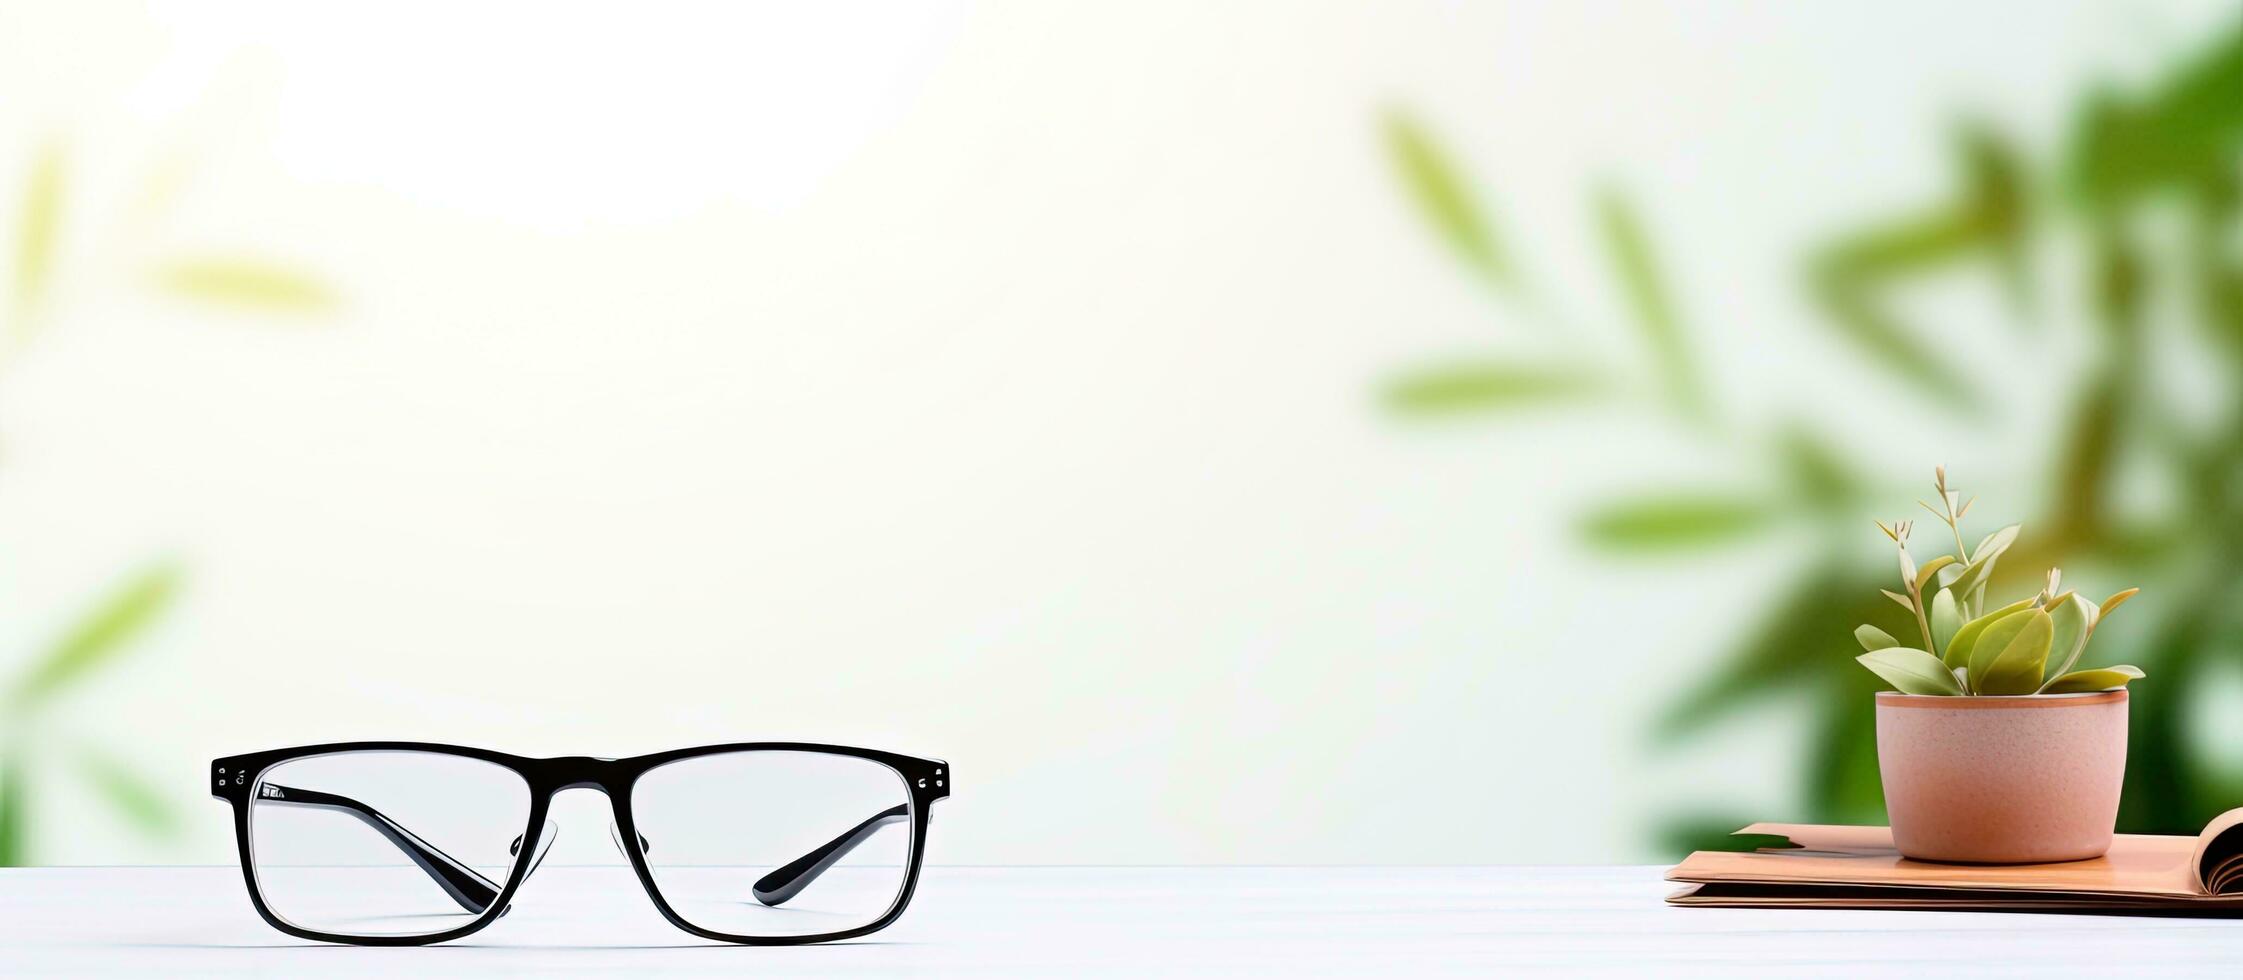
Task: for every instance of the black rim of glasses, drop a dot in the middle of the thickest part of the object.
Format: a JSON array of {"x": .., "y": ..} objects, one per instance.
[{"x": 236, "y": 778}]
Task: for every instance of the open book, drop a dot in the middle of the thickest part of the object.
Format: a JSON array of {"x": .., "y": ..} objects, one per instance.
[{"x": 1809, "y": 866}]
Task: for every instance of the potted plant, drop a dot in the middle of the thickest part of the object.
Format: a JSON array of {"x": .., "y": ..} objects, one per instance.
[{"x": 1992, "y": 747}]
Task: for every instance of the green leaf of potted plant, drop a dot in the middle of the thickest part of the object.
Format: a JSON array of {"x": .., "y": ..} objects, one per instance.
[{"x": 1992, "y": 747}]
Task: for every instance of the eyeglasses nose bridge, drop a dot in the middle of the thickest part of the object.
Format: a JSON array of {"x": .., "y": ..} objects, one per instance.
[{"x": 579, "y": 772}]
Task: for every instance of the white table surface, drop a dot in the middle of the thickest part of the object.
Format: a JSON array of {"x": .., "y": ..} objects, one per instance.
[{"x": 1111, "y": 921}]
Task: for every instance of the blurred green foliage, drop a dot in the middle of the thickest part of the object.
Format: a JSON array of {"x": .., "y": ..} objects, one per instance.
[
  {"x": 245, "y": 284},
  {"x": 2145, "y": 175},
  {"x": 35, "y": 234},
  {"x": 98, "y": 639},
  {"x": 31, "y": 735}
]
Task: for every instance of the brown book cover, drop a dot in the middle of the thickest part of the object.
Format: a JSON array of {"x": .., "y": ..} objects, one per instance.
[{"x": 1815, "y": 866}]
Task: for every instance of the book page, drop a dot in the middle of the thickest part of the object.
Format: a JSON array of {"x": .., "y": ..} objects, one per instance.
[
  {"x": 2136, "y": 865},
  {"x": 2218, "y": 859}
]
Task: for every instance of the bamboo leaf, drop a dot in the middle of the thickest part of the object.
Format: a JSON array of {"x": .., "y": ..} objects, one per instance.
[
  {"x": 1997, "y": 201},
  {"x": 2099, "y": 679},
  {"x": 1844, "y": 297},
  {"x": 1791, "y": 647},
  {"x": 1674, "y": 521},
  {"x": 1872, "y": 638},
  {"x": 14, "y": 784},
  {"x": 129, "y": 793},
  {"x": 1646, "y": 290},
  {"x": 1839, "y": 768},
  {"x": 1444, "y": 199},
  {"x": 38, "y": 226},
  {"x": 1911, "y": 671},
  {"x": 1815, "y": 469},
  {"x": 2017, "y": 669},
  {"x": 1679, "y": 835},
  {"x": 1486, "y": 386},
  {"x": 1958, "y": 650},
  {"x": 1852, "y": 277},
  {"x": 2184, "y": 127},
  {"x": 246, "y": 284},
  {"x": 1928, "y": 239},
  {"x": 99, "y": 636}
]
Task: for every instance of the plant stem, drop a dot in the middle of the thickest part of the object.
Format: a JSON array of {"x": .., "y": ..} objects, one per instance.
[
  {"x": 1908, "y": 578},
  {"x": 1923, "y": 624}
]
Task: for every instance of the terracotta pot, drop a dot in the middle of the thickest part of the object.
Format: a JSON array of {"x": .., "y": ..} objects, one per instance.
[{"x": 1995, "y": 780}]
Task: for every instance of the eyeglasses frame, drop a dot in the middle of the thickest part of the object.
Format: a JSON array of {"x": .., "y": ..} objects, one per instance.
[{"x": 235, "y": 778}]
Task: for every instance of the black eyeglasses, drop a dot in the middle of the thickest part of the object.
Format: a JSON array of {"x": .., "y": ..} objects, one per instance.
[{"x": 407, "y": 843}]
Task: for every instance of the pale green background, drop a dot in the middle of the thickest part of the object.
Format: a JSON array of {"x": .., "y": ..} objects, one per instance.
[{"x": 991, "y": 382}]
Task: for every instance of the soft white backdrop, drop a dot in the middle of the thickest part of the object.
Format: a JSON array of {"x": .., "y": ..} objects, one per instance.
[{"x": 985, "y": 382}]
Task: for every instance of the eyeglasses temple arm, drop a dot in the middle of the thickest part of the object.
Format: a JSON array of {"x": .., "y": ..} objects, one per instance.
[
  {"x": 790, "y": 879},
  {"x": 471, "y": 890}
]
